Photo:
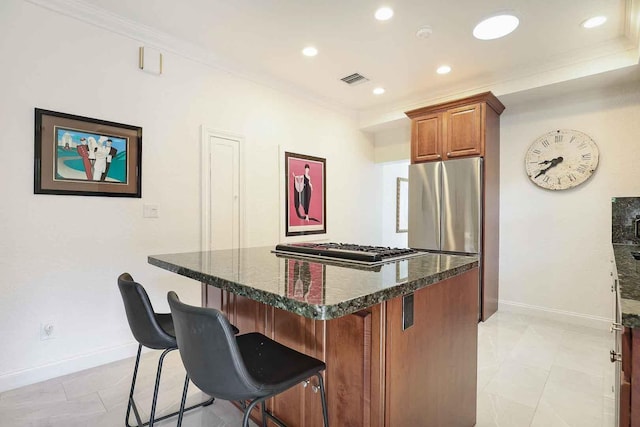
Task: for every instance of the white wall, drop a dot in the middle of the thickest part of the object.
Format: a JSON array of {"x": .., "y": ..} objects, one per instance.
[
  {"x": 390, "y": 173},
  {"x": 554, "y": 246},
  {"x": 393, "y": 145},
  {"x": 60, "y": 255}
]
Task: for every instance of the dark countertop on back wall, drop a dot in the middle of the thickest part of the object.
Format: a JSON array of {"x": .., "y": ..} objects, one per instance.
[
  {"x": 314, "y": 289},
  {"x": 629, "y": 281}
]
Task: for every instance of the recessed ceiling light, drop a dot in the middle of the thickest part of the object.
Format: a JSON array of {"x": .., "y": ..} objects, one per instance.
[
  {"x": 378, "y": 91},
  {"x": 309, "y": 51},
  {"x": 596, "y": 21},
  {"x": 384, "y": 13},
  {"x": 496, "y": 27},
  {"x": 443, "y": 69}
]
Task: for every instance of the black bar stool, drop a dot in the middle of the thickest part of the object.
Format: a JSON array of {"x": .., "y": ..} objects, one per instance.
[
  {"x": 247, "y": 367},
  {"x": 154, "y": 331}
]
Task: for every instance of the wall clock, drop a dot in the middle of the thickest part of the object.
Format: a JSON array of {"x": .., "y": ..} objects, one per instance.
[{"x": 561, "y": 159}]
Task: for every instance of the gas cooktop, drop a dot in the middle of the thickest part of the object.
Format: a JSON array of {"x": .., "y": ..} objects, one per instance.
[{"x": 368, "y": 255}]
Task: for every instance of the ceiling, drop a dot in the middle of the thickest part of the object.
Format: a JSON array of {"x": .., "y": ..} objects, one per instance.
[{"x": 264, "y": 38}]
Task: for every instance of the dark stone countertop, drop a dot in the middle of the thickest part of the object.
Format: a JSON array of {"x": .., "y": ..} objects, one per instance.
[
  {"x": 629, "y": 281},
  {"x": 311, "y": 288}
]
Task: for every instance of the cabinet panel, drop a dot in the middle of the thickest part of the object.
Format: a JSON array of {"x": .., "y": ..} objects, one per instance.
[
  {"x": 349, "y": 354},
  {"x": 427, "y": 137},
  {"x": 635, "y": 377},
  {"x": 213, "y": 297},
  {"x": 288, "y": 329},
  {"x": 464, "y": 131},
  {"x": 625, "y": 404},
  {"x": 436, "y": 357},
  {"x": 298, "y": 406},
  {"x": 626, "y": 354},
  {"x": 246, "y": 314}
]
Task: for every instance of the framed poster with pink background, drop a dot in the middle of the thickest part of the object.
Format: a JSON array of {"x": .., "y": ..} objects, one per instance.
[{"x": 305, "y": 190}]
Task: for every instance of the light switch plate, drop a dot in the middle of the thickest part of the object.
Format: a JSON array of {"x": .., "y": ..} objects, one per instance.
[{"x": 150, "y": 211}]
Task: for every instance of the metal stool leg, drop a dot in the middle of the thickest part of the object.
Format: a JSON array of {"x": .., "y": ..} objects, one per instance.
[
  {"x": 264, "y": 413},
  {"x": 152, "y": 420},
  {"x": 132, "y": 403},
  {"x": 245, "y": 418},
  {"x": 155, "y": 389},
  {"x": 325, "y": 414},
  {"x": 183, "y": 401}
]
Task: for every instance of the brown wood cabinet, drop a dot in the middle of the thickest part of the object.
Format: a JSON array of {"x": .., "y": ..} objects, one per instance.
[
  {"x": 468, "y": 127},
  {"x": 630, "y": 379},
  {"x": 463, "y": 131},
  {"x": 426, "y": 137},
  {"x": 377, "y": 373},
  {"x": 455, "y": 129}
]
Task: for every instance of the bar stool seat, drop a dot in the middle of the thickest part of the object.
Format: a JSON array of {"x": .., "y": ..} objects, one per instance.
[
  {"x": 152, "y": 330},
  {"x": 249, "y": 367}
]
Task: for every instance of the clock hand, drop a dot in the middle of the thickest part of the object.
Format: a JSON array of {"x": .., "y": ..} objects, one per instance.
[
  {"x": 554, "y": 163},
  {"x": 546, "y": 162}
]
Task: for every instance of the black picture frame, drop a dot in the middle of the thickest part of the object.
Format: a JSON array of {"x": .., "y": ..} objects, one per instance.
[
  {"x": 305, "y": 216},
  {"x": 83, "y": 156}
]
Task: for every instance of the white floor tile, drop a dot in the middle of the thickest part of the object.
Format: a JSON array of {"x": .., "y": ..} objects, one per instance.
[
  {"x": 519, "y": 383},
  {"x": 496, "y": 411},
  {"x": 574, "y": 407}
]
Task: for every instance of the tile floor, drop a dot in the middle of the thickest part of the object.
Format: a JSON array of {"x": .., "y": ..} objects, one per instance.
[{"x": 531, "y": 372}]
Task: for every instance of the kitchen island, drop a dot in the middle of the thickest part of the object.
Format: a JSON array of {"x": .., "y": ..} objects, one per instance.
[{"x": 399, "y": 339}]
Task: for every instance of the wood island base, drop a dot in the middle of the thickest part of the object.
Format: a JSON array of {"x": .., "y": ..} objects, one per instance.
[{"x": 377, "y": 373}]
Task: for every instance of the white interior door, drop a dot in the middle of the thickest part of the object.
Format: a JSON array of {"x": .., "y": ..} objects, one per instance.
[
  {"x": 225, "y": 193},
  {"x": 221, "y": 209}
]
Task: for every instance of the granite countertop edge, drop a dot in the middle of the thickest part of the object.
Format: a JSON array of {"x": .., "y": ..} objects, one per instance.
[{"x": 314, "y": 311}]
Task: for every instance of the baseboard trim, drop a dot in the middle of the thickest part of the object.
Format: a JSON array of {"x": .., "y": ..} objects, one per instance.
[
  {"x": 29, "y": 376},
  {"x": 587, "y": 320}
]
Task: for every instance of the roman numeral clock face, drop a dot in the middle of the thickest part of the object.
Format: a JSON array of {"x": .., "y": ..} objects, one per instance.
[{"x": 561, "y": 159}]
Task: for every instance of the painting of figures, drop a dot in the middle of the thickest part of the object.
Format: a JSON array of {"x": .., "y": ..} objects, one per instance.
[
  {"x": 82, "y": 156},
  {"x": 86, "y": 156}
]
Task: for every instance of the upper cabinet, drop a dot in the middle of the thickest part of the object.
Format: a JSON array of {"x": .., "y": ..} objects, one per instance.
[{"x": 453, "y": 129}]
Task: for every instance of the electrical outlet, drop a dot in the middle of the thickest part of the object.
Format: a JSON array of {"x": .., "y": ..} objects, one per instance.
[{"x": 47, "y": 331}]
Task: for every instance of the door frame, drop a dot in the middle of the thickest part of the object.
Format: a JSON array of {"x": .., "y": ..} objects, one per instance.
[{"x": 207, "y": 132}]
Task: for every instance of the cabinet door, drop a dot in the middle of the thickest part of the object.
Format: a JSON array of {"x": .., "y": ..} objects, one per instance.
[
  {"x": 464, "y": 131},
  {"x": 351, "y": 354},
  {"x": 426, "y": 138},
  {"x": 300, "y": 405}
]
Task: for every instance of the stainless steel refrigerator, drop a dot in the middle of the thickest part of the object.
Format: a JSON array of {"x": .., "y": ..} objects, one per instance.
[{"x": 445, "y": 207}]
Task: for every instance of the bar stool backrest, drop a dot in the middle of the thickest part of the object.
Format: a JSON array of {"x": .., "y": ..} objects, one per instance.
[
  {"x": 142, "y": 320},
  {"x": 209, "y": 352}
]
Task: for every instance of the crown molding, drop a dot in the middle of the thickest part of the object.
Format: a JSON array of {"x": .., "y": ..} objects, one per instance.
[{"x": 146, "y": 35}]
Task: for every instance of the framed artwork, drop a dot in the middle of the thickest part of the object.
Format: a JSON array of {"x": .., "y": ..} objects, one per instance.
[
  {"x": 86, "y": 157},
  {"x": 305, "y": 281},
  {"x": 305, "y": 195},
  {"x": 402, "y": 205}
]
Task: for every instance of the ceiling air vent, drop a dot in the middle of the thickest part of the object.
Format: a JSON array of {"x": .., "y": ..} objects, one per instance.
[{"x": 354, "y": 79}]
